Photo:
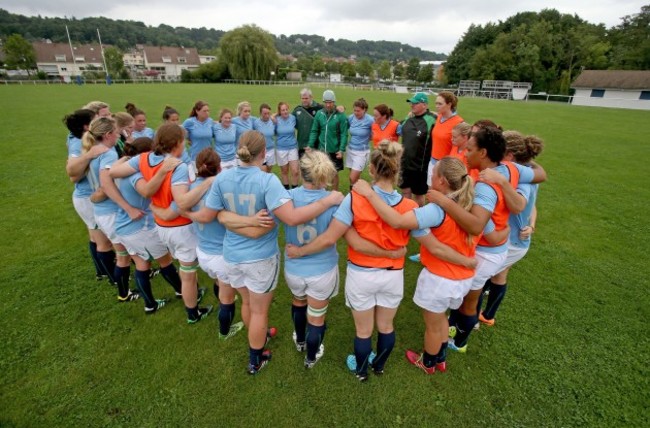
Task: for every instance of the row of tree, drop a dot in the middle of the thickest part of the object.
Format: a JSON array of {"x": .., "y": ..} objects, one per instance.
[
  {"x": 549, "y": 49},
  {"x": 126, "y": 34}
]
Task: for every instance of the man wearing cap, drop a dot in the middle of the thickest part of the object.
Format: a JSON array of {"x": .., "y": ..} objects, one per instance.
[
  {"x": 417, "y": 129},
  {"x": 329, "y": 133}
]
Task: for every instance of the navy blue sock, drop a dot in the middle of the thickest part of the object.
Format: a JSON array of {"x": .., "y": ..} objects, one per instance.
[
  {"x": 487, "y": 287},
  {"x": 192, "y": 313},
  {"x": 122, "y": 278},
  {"x": 428, "y": 359},
  {"x": 215, "y": 289},
  {"x": 92, "y": 247},
  {"x": 299, "y": 317},
  {"x": 453, "y": 317},
  {"x": 107, "y": 260},
  {"x": 143, "y": 283},
  {"x": 315, "y": 336},
  {"x": 497, "y": 293},
  {"x": 255, "y": 356},
  {"x": 226, "y": 315},
  {"x": 170, "y": 274},
  {"x": 441, "y": 356},
  {"x": 465, "y": 325},
  {"x": 362, "y": 349},
  {"x": 385, "y": 345}
]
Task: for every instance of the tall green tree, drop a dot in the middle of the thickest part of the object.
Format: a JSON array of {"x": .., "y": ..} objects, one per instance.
[
  {"x": 399, "y": 71},
  {"x": 114, "y": 62},
  {"x": 19, "y": 53},
  {"x": 249, "y": 52},
  {"x": 631, "y": 41},
  {"x": 412, "y": 69},
  {"x": 364, "y": 68},
  {"x": 383, "y": 70},
  {"x": 425, "y": 75}
]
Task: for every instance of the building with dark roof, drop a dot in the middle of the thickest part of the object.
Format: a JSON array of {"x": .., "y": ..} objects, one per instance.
[{"x": 613, "y": 88}]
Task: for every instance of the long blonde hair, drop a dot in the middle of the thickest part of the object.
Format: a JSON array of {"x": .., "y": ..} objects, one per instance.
[
  {"x": 96, "y": 131},
  {"x": 386, "y": 160},
  {"x": 317, "y": 168},
  {"x": 453, "y": 170}
]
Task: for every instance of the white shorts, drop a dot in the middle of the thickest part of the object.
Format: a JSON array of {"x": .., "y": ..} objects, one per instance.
[
  {"x": 259, "y": 277},
  {"x": 366, "y": 289},
  {"x": 319, "y": 287},
  {"x": 488, "y": 265},
  {"x": 228, "y": 164},
  {"x": 214, "y": 265},
  {"x": 84, "y": 208},
  {"x": 269, "y": 159},
  {"x": 106, "y": 224},
  {"x": 432, "y": 163},
  {"x": 437, "y": 294},
  {"x": 285, "y": 156},
  {"x": 181, "y": 241},
  {"x": 514, "y": 255},
  {"x": 144, "y": 244},
  {"x": 356, "y": 159}
]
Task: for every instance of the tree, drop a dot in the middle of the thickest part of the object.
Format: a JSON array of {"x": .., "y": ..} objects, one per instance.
[
  {"x": 348, "y": 69},
  {"x": 425, "y": 75},
  {"x": 412, "y": 69},
  {"x": 383, "y": 70},
  {"x": 364, "y": 68},
  {"x": 19, "y": 53},
  {"x": 398, "y": 71},
  {"x": 631, "y": 41},
  {"x": 249, "y": 52},
  {"x": 114, "y": 62},
  {"x": 318, "y": 65}
]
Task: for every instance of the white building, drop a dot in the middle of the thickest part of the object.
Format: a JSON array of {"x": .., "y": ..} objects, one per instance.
[
  {"x": 168, "y": 62},
  {"x": 57, "y": 60},
  {"x": 613, "y": 88}
]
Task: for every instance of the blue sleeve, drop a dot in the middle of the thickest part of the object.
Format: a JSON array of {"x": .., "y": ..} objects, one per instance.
[
  {"x": 485, "y": 196},
  {"x": 524, "y": 190},
  {"x": 134, "y": 163},
  {"x": 344, "y": 213},
  {"x": 188, "y": 124},
  {"x": 134, "y": 178},
  {"x": 213, "y": 199},
  {"x": 430, "y": 215},
  {"x": 399, "y": 129},
  {"x": 489, "y": 227},
  {"x": 74, "y": 148},
  {"x": 107, "y": 159},
  {"x": 275, "y": 195},
  {"x": 526, "y": 174},
  {"x": 181, "y": 175}
]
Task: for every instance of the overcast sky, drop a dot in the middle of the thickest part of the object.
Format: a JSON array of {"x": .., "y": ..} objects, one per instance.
[{"x": 425, "y": 24}]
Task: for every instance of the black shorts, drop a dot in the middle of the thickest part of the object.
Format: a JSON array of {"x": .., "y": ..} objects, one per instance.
[
  {"x": 338, "y": 163},
  {"x": 415, "y": 180}
]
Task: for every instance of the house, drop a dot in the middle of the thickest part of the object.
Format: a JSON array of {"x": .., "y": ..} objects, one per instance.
[
  {"x": 613, "y": 88},
  {"x": 59, "y": 60},
  {"x": 168, "y": 62}
]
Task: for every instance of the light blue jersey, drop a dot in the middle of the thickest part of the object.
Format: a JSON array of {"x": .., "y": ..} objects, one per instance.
[
  {"x": 211, "y": 235},
  {"x": 124, "y": 226},
  {"x": 521, "y": 220},
  {"x": 82, "y": 188},
  {"x": 360, "y": 132},
  {"x": 428, "y": 216},
  {"x": 146, "y": 132},
  {"x": 285, "y": 130},
  {"x": 245, "y": 191},
  {"x": 199, "y": 133},
  {"x": 313, "y": 264},
  {"x": 268, "y": 130},
  {"x": 102, "y": 162},
  {"x": 243, "y": 125},
  {"x": 344, "y": 214},
  {"x": 225, "y": 141}
]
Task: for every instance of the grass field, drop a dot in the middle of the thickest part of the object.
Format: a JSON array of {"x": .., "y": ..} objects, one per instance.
[{"x": 570, "y": 346}]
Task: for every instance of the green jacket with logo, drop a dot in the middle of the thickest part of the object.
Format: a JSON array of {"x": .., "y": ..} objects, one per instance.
[{"x": 329, "y": 132}]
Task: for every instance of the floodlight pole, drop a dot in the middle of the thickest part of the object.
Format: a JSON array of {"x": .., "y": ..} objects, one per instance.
[
  {"x": 74, "y": 61},
  {"x": 101, "y": 48}
]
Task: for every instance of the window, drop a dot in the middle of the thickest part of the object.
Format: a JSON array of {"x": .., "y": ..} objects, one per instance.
[
  {"x": 167, "y": 59},
  {"x": 645, "y": 95},
  {"x": 79, "y": 58},
  {"x": 59, "y": 58},
  {"x": 182, "y": 60},
  {"x": 597, "y": 93}
]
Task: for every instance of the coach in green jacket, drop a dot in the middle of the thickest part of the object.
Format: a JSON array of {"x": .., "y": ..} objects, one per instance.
[
  {"x": 329, "y": 133},
  {"x": 304, "y": 114}
]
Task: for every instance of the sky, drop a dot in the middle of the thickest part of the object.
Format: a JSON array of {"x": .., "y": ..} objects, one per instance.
[{"x": 419, "y": 23}]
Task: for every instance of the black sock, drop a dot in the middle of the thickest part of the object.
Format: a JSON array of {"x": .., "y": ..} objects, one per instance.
[
  {"x": 170, "y": 274},
  {"x": 107, "y": 260},
  {"x": 143, "y": 282},
  {"x": 465, "y": 325},
  {"x": 299, "y": 317},
  {"x": 441, "y": 356},
  {"x": 192, "y": 313},
  {"x": 486, "y": 289},
  {"x": 428, "y": 359},
  {"x": 122, "y": 278},
  {"x": 315, "y": 336},
  {"x": 362, "y": 349},
  {"x": 497, "y": 293},
  {"x": 92, "y": 247},
  {"x": 226, "y": 315},
  {"x": 385, "y": 345},
  {"x": 255, "y": 356}
]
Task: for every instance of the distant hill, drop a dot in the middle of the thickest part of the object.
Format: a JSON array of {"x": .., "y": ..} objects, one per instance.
[{"x": 126, "y": 34}]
